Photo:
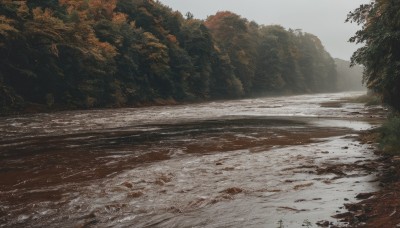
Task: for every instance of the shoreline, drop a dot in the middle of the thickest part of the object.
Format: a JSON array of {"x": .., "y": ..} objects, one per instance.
[
  {"x": 35, "y": 108},
  {"x": 381, "y": 208}
]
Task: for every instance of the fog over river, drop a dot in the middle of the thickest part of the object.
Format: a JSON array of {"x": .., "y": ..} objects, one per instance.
[{"x": 242, "y": 163}]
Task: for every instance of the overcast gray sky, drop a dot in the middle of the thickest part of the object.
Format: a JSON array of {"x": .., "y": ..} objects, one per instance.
[{"x": 324, "y": 18}]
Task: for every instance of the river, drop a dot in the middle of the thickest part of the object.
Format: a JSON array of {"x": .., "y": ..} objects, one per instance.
[{"x": 242, "y": 163}]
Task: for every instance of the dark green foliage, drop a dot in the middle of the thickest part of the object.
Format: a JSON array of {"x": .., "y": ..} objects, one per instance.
[
  {"x": 99, "y": 53},
  {"x": 292, "y": 61},
  {"x": 381, "y": 53},
  {"x": 316, "y": 65},
  {"x": 236, "y": 37},
  {"x": 390, "y": 135},
  {"x": 9, "y": 100},
  {"x": 269, "y": 73}
]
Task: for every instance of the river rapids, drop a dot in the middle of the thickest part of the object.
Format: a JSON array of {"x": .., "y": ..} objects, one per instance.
[{"x": 246, "y": 163}]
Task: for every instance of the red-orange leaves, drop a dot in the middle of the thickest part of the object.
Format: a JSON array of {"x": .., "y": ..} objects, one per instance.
[{"x": 172, "y": 38}]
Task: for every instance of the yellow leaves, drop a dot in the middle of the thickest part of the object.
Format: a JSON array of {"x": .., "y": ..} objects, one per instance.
[
  {"x": 39, "y": 14},
  {"x": 148, "y": 36},
  {"x": 53, "y": 33},
  {"x": 154, "y": 53},
  {"x": 44, "y": 19},
  {"x": 156, "y": 46},
  {"x": 91, "y": 9},
  {"x": 45, "y": 26},
  {"x": 6, "y": 29},
  {"x": 157, "y": 51},
  {"x": 107, "y": 50},
  {"x": 6, "y": 26},
  {"x": 90, "y": 44},
  {"x": 119, "y": 18}
]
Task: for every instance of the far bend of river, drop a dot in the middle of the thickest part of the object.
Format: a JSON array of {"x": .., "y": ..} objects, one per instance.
[{"x": 242, "y": 163}]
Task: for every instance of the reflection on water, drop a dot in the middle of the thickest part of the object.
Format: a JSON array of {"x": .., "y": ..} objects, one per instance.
[
  {"x": 245, "y": 163},
  {"x": 352, "y": 124}
]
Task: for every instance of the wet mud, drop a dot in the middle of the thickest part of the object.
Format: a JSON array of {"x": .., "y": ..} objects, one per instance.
[
  {"x": 379, "y": 208},
  {"x": 246, "y": 163}
]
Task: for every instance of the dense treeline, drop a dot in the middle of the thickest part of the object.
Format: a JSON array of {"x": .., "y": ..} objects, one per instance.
[
  {"x": 381, "y": 53},
  {"x": 98, "y": 53}
]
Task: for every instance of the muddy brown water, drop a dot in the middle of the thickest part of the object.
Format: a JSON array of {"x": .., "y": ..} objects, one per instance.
[{"x": 244, "y": 163}]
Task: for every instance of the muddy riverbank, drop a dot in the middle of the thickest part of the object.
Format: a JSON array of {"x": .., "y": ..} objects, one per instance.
[
  {"x": 244, "y": 163},
  {"x": 380, "y": 208}
]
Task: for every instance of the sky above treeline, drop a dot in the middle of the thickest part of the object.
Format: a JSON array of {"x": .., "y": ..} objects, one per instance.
[{"x": 324, "y": 18}]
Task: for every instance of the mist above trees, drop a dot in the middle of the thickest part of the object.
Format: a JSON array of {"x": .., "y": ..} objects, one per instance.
[{"x": 349, "y": 77}]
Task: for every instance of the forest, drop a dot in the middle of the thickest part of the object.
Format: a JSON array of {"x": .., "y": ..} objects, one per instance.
[
  {"x": 237, "y": 163},
  {"x": 380, "y": 53},
  {"x": 68, "y": 54}
]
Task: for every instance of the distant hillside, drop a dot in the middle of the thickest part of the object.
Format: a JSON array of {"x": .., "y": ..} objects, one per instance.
[{"x": 349, "y": 78}]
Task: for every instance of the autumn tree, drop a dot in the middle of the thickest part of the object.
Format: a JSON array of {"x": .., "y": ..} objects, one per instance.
[
  {"x": 236, "y": 37},
  {"x": 98, "y": 53}
]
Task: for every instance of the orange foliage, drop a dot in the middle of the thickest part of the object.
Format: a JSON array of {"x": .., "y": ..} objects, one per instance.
[
  {"x": 95, "y": 8},
  {"x": 102, "y": 8},
  {"x": 213, "y": 22},
  {"x": 119, "y": 18},
  {"x": 72, "y": 4},
  {"x": 172, "y": 38}
]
